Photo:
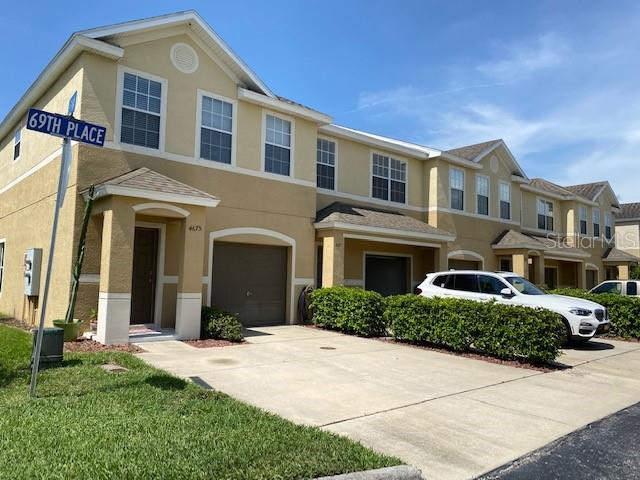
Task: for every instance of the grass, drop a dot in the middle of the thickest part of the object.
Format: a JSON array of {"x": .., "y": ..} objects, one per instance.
[{"x": 145, "y": 423}]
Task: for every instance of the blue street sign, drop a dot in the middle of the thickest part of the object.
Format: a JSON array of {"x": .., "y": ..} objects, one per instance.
[{"x": 65, "y": 127}]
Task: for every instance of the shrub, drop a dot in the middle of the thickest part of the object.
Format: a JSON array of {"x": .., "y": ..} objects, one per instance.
[
  {"x": 349, "y": 310},
  {"x": 221, "y": 325},
  {"x": 503, "y": 331},
  {"x": 624, "y": 312}
]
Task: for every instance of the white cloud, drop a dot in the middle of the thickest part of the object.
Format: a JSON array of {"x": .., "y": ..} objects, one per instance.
[{"x": 544, "y": 52}]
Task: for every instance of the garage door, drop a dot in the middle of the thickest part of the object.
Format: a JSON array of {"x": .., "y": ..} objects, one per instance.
[
  {"x": 250, "y": 280},
  {"x": 386, "y": 275}
]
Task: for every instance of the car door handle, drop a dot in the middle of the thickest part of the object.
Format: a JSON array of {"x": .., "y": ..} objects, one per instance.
[{"x": 249, "y": 293}]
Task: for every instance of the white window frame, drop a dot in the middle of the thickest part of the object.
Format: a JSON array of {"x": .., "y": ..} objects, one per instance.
[
  {"x": 17, "y": 132},
  {"x": 553, "y": 213},
  {"x": 479, "y": 176},
  {"x": 464, "y": 193},
  {"x": 406, "y": 178},
  {"x": 3, "y": 242},
  {"x": 118, "y": 114},
  {"x": 582, "y": 209},
  {"x": 264, "y": 142},
  {"x": 234, "y": 125},
  {"x": 599, "y": 222},
  {"x": 335, "y": 163},
  {"x": 608, "y": 222},
  {"x": 508, "y": 184}
]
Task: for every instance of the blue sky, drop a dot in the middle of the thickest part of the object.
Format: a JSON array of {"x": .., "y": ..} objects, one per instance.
[{"x": 557, "y": 80}]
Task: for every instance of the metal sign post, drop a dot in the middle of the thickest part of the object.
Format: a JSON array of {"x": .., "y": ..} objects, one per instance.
[{"x": 68, "y": 128}]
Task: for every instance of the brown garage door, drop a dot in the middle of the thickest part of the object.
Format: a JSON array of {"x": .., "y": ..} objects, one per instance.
[
  {"x": 386, "y": 275},
  {"x": 250, "y": 280}
]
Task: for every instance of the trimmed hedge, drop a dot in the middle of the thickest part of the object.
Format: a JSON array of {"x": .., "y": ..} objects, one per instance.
[
  {"x": 220, "y": 325},
  {"x": 624, "y": 312},
  {"x": 503, "y": 331},
  {"x": 349, "y": 310}
]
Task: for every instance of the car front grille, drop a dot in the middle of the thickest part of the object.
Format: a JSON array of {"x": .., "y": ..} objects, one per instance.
[{"x": 599, "y": 314}]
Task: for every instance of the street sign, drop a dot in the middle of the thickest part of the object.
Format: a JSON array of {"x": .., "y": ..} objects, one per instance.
[
  {"x": 69, "y": 129},
  {"x": 65, "y": 127}
]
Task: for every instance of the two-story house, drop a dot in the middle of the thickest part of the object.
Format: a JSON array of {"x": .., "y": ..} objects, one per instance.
[
  {"x": 213, "y": 190},
  {"x": 627, "y": 223}
]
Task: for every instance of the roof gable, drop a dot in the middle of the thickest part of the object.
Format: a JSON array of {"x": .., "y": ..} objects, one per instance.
[
  {"x": 593, "y": 191},
  {"x": 200, "y": 28},
  {"x": 477, "y": 151}
]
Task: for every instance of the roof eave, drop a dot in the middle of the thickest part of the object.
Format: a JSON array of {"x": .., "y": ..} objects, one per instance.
[
  {"x": 281, "y": 106},
  {"x": 322, "y": 225},
  {"x": 76, "y": 44}
]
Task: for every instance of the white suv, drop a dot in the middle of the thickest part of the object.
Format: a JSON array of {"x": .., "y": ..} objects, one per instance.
[{"x": 583, "y": 318}]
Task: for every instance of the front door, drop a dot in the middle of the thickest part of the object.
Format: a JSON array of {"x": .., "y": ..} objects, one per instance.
[{"x": 143, "y": 288}]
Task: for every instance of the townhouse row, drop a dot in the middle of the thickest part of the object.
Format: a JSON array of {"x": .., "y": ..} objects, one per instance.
[{"x": 212, "y": 190}]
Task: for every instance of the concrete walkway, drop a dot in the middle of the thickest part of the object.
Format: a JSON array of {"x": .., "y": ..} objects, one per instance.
[{"x": 452, "y": 417}]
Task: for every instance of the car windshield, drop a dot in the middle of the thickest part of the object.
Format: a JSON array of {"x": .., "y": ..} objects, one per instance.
[{"x": 524, "y": 286}]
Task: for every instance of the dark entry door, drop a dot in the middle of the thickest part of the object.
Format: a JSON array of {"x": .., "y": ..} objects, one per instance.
[
  {"x": 145, "y": 263},
  {"x": 250, "y": 280},
  {"x": 386, "y": 275}
]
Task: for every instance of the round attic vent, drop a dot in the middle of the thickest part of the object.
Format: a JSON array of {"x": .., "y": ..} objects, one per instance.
[{"x": 184, "y": 58}]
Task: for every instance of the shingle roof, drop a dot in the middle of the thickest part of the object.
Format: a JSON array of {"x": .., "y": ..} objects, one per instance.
[
  {"x": 146, "y": 179},
  {"x": 587, "y": 190},
  {"x": 372, "y": 217},
  {"x": 513, "y": 239},
  {"x": 548, "y": 186},
  {"x": 470, "y": 152},
  {"x": 628, "y": 210},
  {"x": 617, "y": 255}
]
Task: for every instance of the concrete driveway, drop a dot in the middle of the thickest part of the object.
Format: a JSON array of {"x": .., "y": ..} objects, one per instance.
[{"x": 452, "y": 417}]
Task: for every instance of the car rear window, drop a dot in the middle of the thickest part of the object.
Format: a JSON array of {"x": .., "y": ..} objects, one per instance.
[
  {"x": 466, "y": 282},
  {"x": 440, "y": 281},
  {"x": 632, "y": 288},
  {"x": 610, "y": 287}
]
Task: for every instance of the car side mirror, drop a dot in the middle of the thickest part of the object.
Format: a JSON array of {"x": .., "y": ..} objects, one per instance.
[{"x": 506, "y": 292}]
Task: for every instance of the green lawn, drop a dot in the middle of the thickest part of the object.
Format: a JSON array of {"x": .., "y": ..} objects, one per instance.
[{"x": 145, "y": 423}]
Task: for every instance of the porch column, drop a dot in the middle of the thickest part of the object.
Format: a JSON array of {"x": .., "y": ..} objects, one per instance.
[
  {"x": 623, "y": 272},
  {"x": 116, "y": 267},
  {"x": 190, "y": 262},
  {"x": 333, "y": 260},
  {"x": 441, "y": 262},
  {"x": 581, "y": 275},
  {"x": 538, "y": 269},
  {"x": 520, "y": 264}
]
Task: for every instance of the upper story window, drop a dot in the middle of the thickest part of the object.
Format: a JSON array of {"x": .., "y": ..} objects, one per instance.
[
  {"x": 583, "y": 220},
  {"x": 505, "y": 201},
  {"x": 277, "y": 148},
  {"x": 216, "y": 130},
  {"x": 141, "y": 107},
  {"x": 326, "y": 164},
  {"x": 456, "y": 188},
  {"x": 1, "y": 263},
  {"x": 608, "y": 226},
  {"x": 596, "y": 222},
  {"x": 389, "y": 179},
  {"x": 545, "y": 215},
  {"x": 482, "y": 194},
  {"x": 17, "y": 141}
]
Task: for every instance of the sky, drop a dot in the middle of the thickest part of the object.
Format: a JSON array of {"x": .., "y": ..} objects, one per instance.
[{"x": 557, "y": 80}]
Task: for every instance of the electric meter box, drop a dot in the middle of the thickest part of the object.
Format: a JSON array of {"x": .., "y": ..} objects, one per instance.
[{"x": 32, "y": 267}]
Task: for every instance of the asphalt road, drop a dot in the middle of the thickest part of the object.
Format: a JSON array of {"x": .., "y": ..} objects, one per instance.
[{"x": 606, "y": 449}]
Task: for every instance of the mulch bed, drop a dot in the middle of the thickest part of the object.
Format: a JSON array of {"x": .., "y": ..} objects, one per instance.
[
  {"x": 540, "y": 367},
  {"x": 211, "y": 343},
  {"x": 86, "y": 345},
  {"x": 12, "y": 322}
]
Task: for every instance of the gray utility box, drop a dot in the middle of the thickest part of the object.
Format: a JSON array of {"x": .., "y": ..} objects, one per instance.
[
  {"x": 52, "y": 344},
  {"x": 32, "y": 267}
]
